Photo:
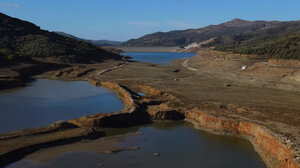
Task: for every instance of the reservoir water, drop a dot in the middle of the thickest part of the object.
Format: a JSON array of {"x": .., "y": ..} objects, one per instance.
[
  {"x": 163, "y": 58},
  {"x": 178, "y": 145},
  {"x": 46, "y": 101}
]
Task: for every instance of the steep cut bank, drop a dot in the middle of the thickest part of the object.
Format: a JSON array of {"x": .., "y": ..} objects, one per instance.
[
  {"x": 156, "y": 105},
  {"x": 275, "y": 151},
  {"x": 273, "y": 108},
  {"x": 271, "y": 149}
]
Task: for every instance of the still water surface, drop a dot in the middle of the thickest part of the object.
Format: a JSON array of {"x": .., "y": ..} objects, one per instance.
[
  {"x": 163, "y": 58},
  {"x": 46, "y": 101},
  {"x": 179, "y": 146}
]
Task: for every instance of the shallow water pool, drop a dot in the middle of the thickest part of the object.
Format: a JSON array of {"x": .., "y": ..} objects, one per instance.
[{"x": 46, "y": 101}]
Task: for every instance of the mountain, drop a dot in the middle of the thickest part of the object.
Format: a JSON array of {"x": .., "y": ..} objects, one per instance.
[
  {"x": 104, "y": 42},
  {"x": 284, "y": 44},
  {"x": 94, "y": 42},
  {"x": 269, "y": 39},
  {"x": 189, "y": 36},
  {"x": 67, "y": 35},
  {"x": 22, "y": 40}
]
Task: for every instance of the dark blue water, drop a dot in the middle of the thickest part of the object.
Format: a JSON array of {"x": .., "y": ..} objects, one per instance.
[
  {"x": 179, "y": 146},
  {"x": 48, "y": 101},
  {"x": 163, "y": 58}
]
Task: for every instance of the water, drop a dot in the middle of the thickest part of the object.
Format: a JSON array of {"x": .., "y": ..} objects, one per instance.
[
  {"x": 48, "y": 101},
  {"x": 141, "y": 94},
  {"x": 163, "y": 58},
  {"x": 178, "y": 143}
]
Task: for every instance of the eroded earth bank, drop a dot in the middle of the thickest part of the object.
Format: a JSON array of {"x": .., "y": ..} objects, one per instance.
[{"x": 220, "y": 98}]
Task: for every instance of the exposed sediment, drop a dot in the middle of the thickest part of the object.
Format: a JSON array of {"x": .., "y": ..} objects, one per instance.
[
  {"x": 18, "y": 76},
  {"x": 270, "y": 148},
  {"x": 132, "y": 114},
  {"x": 16, "y": 145},
  {"x": 269, "y": 145},
  {"x": 140, "y": 110}
]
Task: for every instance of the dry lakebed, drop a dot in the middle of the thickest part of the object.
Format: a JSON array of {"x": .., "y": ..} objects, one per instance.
[{"x": 165, "y": 113}]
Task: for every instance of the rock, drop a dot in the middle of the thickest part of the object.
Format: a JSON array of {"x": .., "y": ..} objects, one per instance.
[
  {"x": 240, "y": 110},
  {"x": 228, "y": 85},
  {"x": 176, "y": 70},
  {"x": 62, "y": 124},
  {"x": 134, "y": 148},
  {"x": 138, "y": 133},
  {"x": 108, "y": 151},
  {"x": 126, "y": 57},
  {"x": 156, "y": 154},
  {"x": 222, "y": 106}
]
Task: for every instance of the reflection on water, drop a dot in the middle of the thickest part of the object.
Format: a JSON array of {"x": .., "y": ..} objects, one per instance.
[
  {"x": 47, "y": 101},
  {"x": 141, "y": 94},
  {"x": 158, "y": 57},
  {"x": 178, "y": 143}
]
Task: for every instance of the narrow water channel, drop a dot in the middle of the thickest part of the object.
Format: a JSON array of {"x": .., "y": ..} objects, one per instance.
[
  {"x": 46, "y": 101},
  {"x": 178, "y": 145},
  {"x": 162, "y": 58},
  {"x": 162, "y": 144}
]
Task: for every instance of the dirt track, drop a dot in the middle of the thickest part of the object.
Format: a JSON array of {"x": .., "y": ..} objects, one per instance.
[
  {"x": 215, "y": 84},
  {"x": 258, "y": 94}
]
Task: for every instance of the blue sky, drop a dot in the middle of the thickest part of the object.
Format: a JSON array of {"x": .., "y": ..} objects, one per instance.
[{"x": 125, "y": 19}]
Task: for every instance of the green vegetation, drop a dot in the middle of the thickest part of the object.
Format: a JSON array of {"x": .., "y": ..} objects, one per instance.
[
  {"x": 21, "y": 40},
  {"x": 269, "y": 39},
  {"x": 232, "y": 28},
  {"x": 94, "y": 42},
  {"x": 286, "y": 46},
  {"x": 6, "y": 54}
]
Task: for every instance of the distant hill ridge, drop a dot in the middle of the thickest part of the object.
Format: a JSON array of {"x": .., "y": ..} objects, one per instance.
[
  {"x": 281, "y": 42},
  {"x": 189, "y": 36},
  {"x": 24, "y": 40},
  {"x": 94, "y": 42}
]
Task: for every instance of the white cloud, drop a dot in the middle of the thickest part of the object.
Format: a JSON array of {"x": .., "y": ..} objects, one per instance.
[
  {"x": 10, "y": 5},
  {"x": 142, "y": 23}
]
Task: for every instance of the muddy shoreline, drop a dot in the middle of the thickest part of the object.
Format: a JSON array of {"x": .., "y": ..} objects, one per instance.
[
  {"x": 122, "y": 119},
  {"x": 146, "y": 49},
  {"x": 158, "y": 104}
]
